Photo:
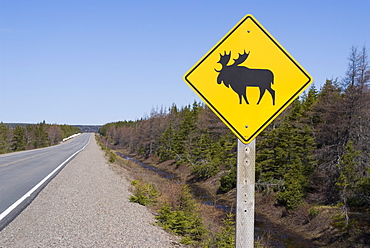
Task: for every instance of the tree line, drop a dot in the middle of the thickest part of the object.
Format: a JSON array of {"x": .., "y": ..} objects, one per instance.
[
  {"x": 317, "y": 150},
  {"x": 32, "y": 136}
]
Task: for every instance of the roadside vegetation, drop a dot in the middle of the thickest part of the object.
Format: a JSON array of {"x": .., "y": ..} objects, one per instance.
[
  {"x": 176, "y": 209},
  {"x": 312, "y": 162},
  {"x": 32, "y": 136}
]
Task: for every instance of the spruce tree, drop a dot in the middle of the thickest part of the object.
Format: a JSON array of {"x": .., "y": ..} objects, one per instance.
[
  {"x": 19, "y": 139},
  {"x": 186, "y": 136},
  {"x": 294, "y": 185},
  {"x": 40, "y": 135},
  {"x": 267, "y": 167},
  {"x": 347, "y": 179},
  {"x": 166, "y": 144},
  {"x": 4, "y": 138},
  {"x": 204, "y": 161},
  {"x": 286, "y": 153},
  {"x": 228, "y": 143}
]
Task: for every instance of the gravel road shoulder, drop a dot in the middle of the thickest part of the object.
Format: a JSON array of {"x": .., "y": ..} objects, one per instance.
[{"x": 86, "y": 205}]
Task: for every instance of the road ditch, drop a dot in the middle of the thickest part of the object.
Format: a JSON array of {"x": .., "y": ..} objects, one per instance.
[{"x": 267, "y": 233}]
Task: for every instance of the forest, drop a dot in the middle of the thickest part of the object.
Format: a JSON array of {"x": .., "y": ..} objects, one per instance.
[
  {"x": 316, "y": 151},
  {"x": 20, "y": 137}
]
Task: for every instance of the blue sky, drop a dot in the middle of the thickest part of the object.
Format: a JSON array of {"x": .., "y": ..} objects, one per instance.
[{"x": 94, "y": 62}]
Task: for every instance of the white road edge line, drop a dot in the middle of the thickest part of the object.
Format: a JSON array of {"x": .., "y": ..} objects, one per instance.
[{"x": 28, "y": 194}]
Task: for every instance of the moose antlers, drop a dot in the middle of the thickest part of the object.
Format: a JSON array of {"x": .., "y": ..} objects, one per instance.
[
  {"x": 224, "y": 59},
  {"x": 241, "y": 58}
]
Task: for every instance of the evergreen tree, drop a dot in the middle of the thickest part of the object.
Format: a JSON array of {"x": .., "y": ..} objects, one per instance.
[
  {"x": 363, "y": 190},
  {"x": 286, "y": 153},
  {"x": 228, "y": 181},
  {"x": 226, "y": 148},
  {"x": 186, "y": 136},
  {"x": 310, "y": 98},
  {"x": 67, "y": 130},
  {"x": 40, "y": 136},
  {"x": 4, "y": 148},
  {"x": 225, "y": 238},
  {"x": 309, "y": 116},
  {"x": 19, "y": 139},
  {"x": 267, "y": 167},
  {"x": 183, "y": 219},
  {"x": 294, "y": 185},
  {"x": 204, "y": 160},
  {"x": 347, "y": 179},
  {"x": 166, "y": 144},
  {"x": 228, "y": 143}
]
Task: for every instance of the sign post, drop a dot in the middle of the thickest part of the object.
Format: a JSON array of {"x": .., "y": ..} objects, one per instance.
[
  {"x": 245, "y": 195},
  {"x": 247, "y": 79}
]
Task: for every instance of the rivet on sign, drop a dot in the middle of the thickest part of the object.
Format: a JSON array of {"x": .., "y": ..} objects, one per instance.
[{"x": 246, "y": 126}]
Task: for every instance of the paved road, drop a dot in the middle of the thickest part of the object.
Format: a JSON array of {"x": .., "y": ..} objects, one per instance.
[
  {"x": 24, "y": 174},
  {"x": 86, "y": 205}
]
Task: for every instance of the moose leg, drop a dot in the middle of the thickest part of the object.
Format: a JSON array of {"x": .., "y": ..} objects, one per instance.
[
  {"x": 241, "y": 96},
  {"x": 245, "y": 98},
  {"x": 262, "y": 92},
  {"x": 272, "y": 92}
]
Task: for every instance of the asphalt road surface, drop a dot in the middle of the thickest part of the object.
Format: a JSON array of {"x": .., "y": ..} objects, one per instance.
[
  {"x": 24, "y": 174},
  {"x": 87, "y": 205}
]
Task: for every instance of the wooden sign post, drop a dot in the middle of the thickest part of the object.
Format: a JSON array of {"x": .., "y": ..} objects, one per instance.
[{"x": 245, "y": 195}]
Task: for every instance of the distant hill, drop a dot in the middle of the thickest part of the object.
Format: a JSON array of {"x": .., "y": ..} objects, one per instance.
[
  {"x": 88, "y": 128},
  {"x": 83, "y": 128},
  {"x": 13, "y": 125}
]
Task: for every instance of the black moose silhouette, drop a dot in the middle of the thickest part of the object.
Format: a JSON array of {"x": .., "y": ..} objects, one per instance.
[{"x": 240, "y": 77}]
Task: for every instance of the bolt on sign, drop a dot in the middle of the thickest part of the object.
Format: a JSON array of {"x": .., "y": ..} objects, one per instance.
[{"x": 247, "y": 79}]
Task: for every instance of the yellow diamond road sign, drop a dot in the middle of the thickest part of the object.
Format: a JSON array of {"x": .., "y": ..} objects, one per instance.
[{"x": 248, "y": 79}]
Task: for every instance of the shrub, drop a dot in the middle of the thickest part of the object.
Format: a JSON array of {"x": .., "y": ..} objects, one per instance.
[
  {"x": 112, "y": 157},
  {"x": 205, "y": 169},
  {"x": 225, "y": 238},
  {"x": 145, "y": 193},
  {"x": 228, "y": 181},
  {"x": 184, "y": 219},
  {"x": 313, "y": 212},
  {"x": 292, "y": 194},
  {"x": 363, "y": 189},
  {"x": 290, "y": 198}
]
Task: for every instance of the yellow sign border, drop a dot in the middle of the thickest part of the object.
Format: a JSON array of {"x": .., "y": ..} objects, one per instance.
[{"x": 274, "y": 115}]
